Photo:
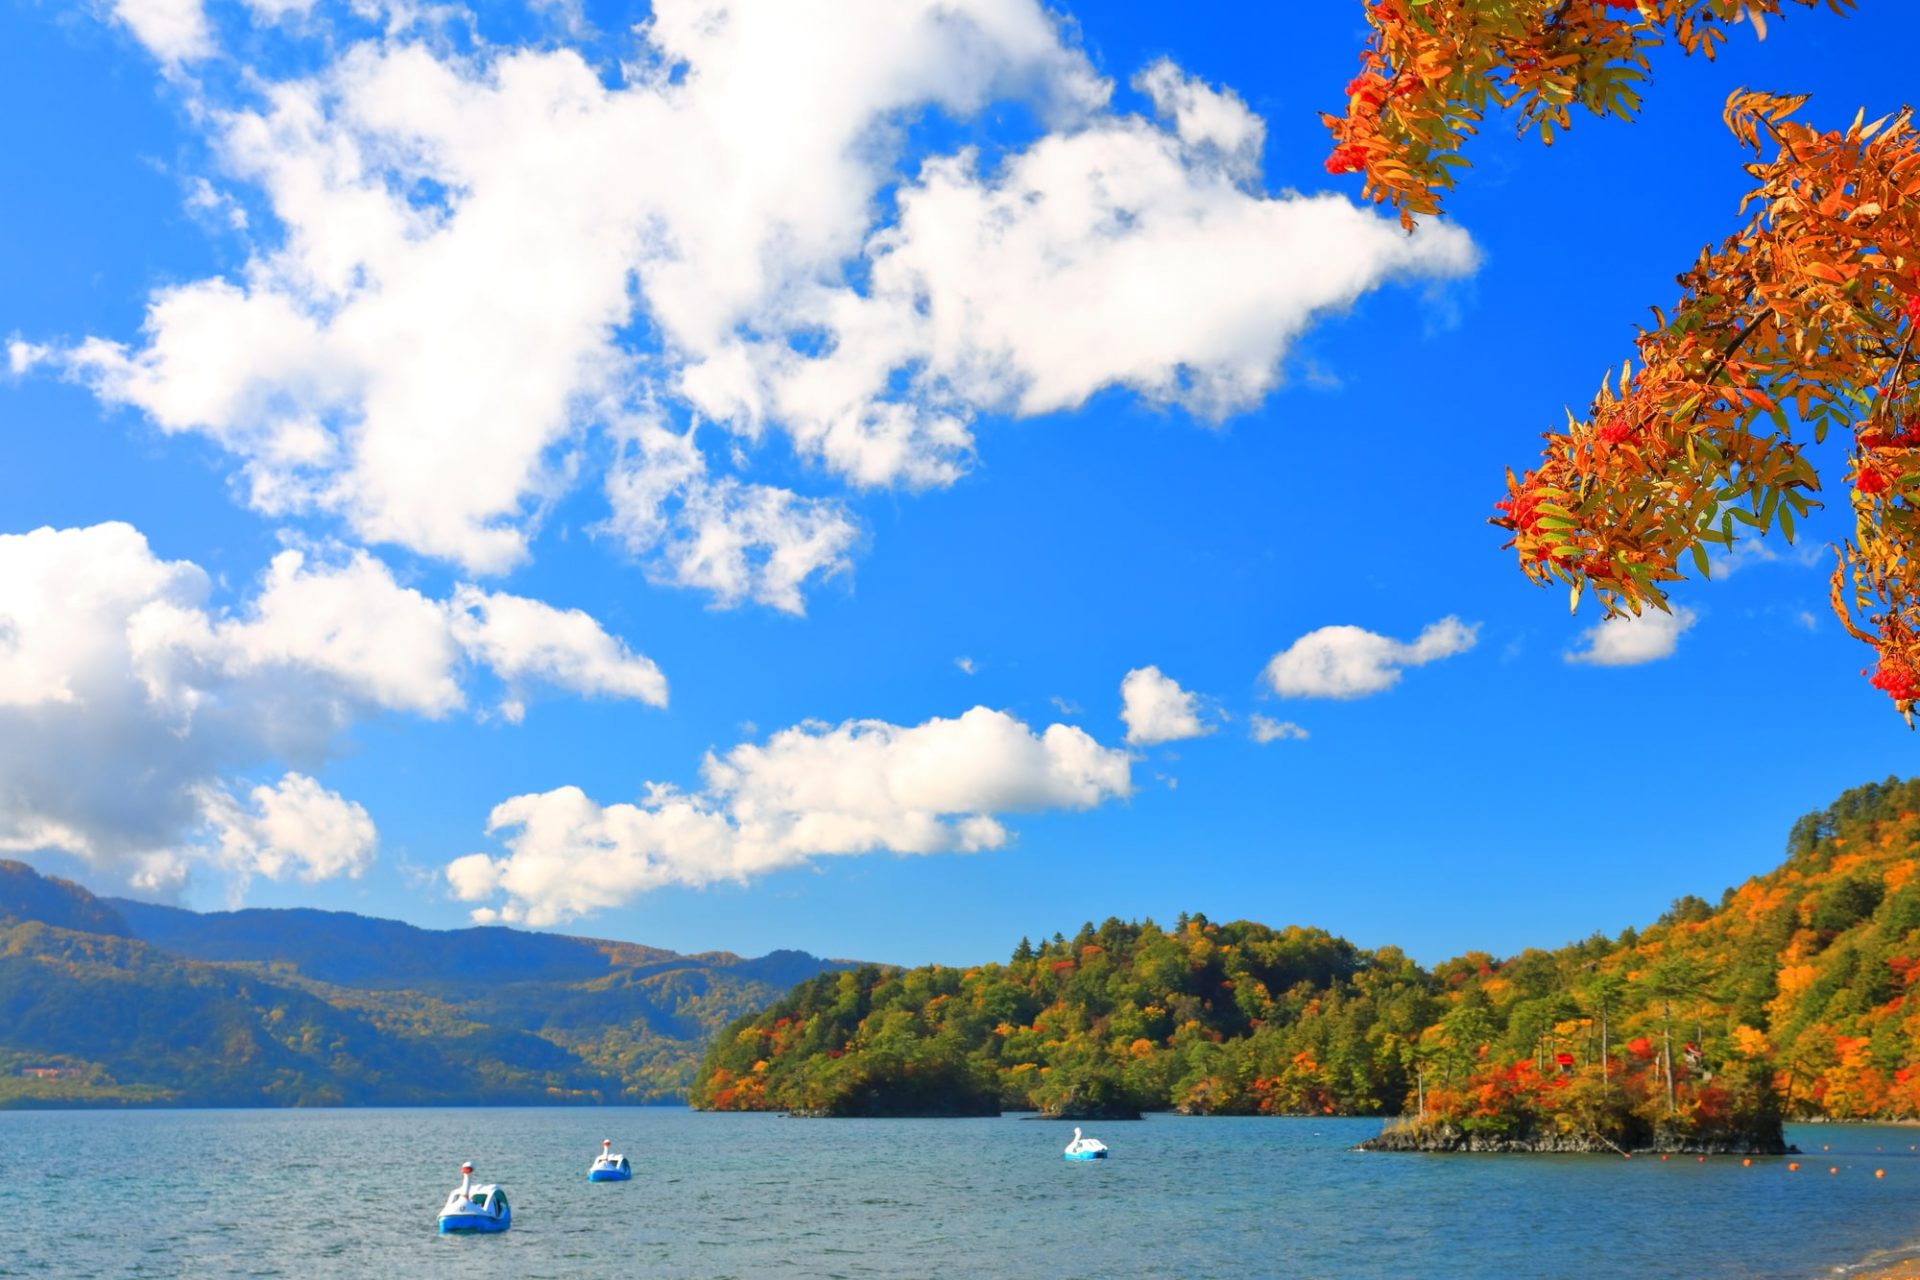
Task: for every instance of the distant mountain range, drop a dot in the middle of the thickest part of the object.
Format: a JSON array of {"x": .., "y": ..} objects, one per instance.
[{"x": 107, "y": 1001}]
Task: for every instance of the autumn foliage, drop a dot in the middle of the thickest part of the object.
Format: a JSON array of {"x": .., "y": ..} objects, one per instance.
[
  {"x": 1433, "y": 69},
  {"x": 1798, "y": 324},
  {"x": 1794, "y": 995}
]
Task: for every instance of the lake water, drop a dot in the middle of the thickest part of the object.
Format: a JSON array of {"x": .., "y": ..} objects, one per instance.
[{"x": 355, "y": 1193}]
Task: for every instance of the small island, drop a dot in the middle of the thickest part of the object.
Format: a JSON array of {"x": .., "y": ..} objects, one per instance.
[
  {"x": 1443, "y": 1136},
  {"x": 1619, "y": 1129}
]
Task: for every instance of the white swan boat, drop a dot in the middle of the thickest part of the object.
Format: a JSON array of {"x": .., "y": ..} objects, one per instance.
[
  {"x": 471, "y": 1208},
  {"x": 607, "y": 1166},
  {"x": 1084, "y": 1148}
]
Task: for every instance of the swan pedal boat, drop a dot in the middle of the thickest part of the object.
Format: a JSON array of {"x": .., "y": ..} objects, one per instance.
[
  {"x": 482, "y": 1209},
  {"x": 1084, "y": 1148},
  {"x": 610, "y": 1169}
]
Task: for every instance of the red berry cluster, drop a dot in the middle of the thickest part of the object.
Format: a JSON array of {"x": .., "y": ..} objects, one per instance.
[
  {"x": 1366, "y": 92},
  {"x": 1521, "y": 513},
  {"x": 1872, "y": 479},
  {"x": 1347, "y": 158},
  {"x": 1896, "y": 678},
  {"x": 1905, "y": 436},
  {"x": 1522, "y": 510},
  {"x": 1875, "y": 474}
]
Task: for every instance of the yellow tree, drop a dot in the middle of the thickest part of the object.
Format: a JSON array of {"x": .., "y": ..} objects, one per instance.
[{"x": 1800, "y": 321}]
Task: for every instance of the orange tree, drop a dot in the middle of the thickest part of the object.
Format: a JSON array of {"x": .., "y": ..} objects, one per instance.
[{"x": 1802, "y": 320}]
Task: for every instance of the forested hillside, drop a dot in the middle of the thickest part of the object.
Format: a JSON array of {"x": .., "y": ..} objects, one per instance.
[
  {"x": 1788, "y": 995},
  {"x": 105, "y": 1001}
]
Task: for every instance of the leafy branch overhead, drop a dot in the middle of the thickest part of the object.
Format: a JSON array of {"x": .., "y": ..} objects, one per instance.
[
  {"x": 1433, "y": 68},
  {"x": 1802, "y": 321}
]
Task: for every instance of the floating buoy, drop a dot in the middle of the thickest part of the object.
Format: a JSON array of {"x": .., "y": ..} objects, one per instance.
[
  {"x": 1793, "y": 1166},
  {"x": 1746, "y": 1164},
  {"x": 1834, "y": 1170},
  {"x": 1826, "y": 1148},
  {"x": 1701, "y": 1159},
  {"x": 1879, "y": 1173}
]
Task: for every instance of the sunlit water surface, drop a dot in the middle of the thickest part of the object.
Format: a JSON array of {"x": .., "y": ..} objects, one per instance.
[{"x": 354, "y": 1193}]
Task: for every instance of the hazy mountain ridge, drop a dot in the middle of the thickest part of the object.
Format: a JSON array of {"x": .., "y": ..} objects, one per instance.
[{"x": 116, "y": 1001}]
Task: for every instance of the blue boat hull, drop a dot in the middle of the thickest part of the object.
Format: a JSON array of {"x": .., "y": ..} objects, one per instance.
[
  {"x": 466, "y": 1223},
  {"x": 609, "y": 1175},
  {"x": 1084, "y": 1155}
]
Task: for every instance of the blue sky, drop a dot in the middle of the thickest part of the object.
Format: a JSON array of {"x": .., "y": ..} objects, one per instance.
[{"x": 1019, "y": 352}]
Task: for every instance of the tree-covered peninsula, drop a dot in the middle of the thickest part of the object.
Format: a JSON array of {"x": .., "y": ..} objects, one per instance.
[{"x": 1786, "y": 999}]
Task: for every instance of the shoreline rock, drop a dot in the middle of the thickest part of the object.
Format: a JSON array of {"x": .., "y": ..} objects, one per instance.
[
  {"x": 1451, "y": 1138},
  {"x": 1093, "y": 1111}
]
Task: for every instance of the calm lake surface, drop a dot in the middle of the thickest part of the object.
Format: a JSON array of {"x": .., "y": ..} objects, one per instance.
[{"x": 355, "y": 1193}]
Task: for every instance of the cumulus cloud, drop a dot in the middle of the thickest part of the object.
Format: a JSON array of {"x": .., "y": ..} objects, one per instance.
[
  {"x": 1351, "y": 662},
  {"x": 1115, "y": 255},
  {"x": 1265, "y": 729},
  {"x": 1204, "y": 117},
  {"x": 1753, "y": 551},
  {"x": 295, "y": 827},
  {"x": 524, "y": 641},
  {"x": 1156, "y": 709},
  {"x": 739, "y": 541},
  {"x": 24, "y": 356},
  {"x": 436, "y": 334},
  {"x": 1627, "y": 641},
  {"x": 811, "y": 791},
  {"x": 172, "y": 30},
  {"x": 127, "y": 700}
]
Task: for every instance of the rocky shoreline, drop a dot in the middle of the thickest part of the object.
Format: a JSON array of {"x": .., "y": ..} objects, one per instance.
[
  {"x": 1905, "y": 1269},
  {"x": 1451, "y": 1138}
]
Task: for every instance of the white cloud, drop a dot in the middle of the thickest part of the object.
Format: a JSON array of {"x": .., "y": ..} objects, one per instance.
[
  {"x": 1265, "y": 729},
  {"x": 204, "y": 198},
  {"x": 811, "y": 791},
  {"x": 1156, "y": 709},
  {"x": 1756, "y": 550},
  {"x": 1350, "y": 662},
  {"x": 172, "y": 30},
  {"x": 348, "y": 626},
  {"x": 524, "y": 640},
  {"x": 279, "y": 10},
  {"x": 967, "y": 666},
  {"x": 127, "y": 700},
  {"x": 295, "y": 827},
  {"x": 1204, "y": 117},
  {"x": 1627, "y": 641},
  {"x": 739, "y": 541},
  {"x": 1109, "y": 256},
  {"x": 435, "y": 336},
  {"x": 24, "y": 356}
]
